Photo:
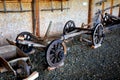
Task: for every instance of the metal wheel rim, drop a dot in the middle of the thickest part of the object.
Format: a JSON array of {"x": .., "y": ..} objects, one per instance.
[
  {"x": 69, "y": 26},
  {"x": 53, "y": 54},
  {"x": 98, "y": 34}
]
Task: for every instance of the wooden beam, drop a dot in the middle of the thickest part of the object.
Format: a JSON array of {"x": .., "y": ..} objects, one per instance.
[
  {"x": 37, "y": 18},
  {"x": 15, "y": 1},
  {"x": 103, "y": 5},
  {"x": 119, "y": 12},
  {"x": 111, "y": 6},
  {"x": 90, "y": 11}
]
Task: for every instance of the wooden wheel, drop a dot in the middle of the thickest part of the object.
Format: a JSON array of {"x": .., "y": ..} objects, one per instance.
[
  {"x": 98, "y": 34},
  {"x": 24, "y": 36},
  {"x": 69, "y": 26},
  {"x": 55, "y": 53}
]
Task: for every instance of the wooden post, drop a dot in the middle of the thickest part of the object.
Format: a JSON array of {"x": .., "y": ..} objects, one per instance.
[
  {"x": 111, "y": 6},
  {"x": 103, "y": 4},
  {"x": 119, "y": 12},
  {"x": 35, "y": 13},
  {"x": 37, "y": 18},
  {"x": 89, "y": 11}
]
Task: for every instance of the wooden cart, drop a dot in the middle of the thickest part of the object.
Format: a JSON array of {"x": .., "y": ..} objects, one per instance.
[
  {"x": 54, "y": 47},
  {"x": 96, "y": 30},
  {"x": 13, "y": 59}
]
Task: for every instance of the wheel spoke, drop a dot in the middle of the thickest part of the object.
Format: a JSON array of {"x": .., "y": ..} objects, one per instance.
[
  {"x": 58, "y": 59},
  {"x": 52, "y": 55},
  {"x": 52, "y": 51},
  {"x": 52, "y": 59},
  {"x": 96, "y": 41},
  {"x": 59, "y": 46},
  {"x": 55, "y": 60},
  {"x": 55, "y": 46}
]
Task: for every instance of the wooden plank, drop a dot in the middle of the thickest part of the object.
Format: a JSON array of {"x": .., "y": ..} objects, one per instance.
[
  {"x": 89, "y": 11},
  {"x": 111, "y": 9}
]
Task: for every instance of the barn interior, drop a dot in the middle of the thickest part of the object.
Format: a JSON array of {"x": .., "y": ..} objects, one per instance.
[{"x": 44, "y": 21}]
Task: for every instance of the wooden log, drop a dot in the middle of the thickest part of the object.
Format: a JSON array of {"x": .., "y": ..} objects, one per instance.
[
  {"x": 33, "y": 76},
  {"x": 96, "y": 46}
]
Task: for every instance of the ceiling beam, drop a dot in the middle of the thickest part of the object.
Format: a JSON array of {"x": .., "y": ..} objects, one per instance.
[{"x": 15, "y": 1}]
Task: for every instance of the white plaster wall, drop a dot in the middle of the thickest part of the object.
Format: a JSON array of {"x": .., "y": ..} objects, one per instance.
[
  {"x": 12, "y": 24},
  {"x": 77, "y": 12}
]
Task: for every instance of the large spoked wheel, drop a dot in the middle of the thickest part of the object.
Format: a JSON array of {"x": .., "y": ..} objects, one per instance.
[
  {"x": 98, "y": 34},
  {"x": 69, "y": 26},
  {"x": 24, "y": 36},
  {"x": 55, "y": 53},
  {"x": 23, "y": 70}
]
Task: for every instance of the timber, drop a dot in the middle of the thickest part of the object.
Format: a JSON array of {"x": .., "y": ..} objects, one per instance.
[
  {"x": 89, "y": 11},
  {"x": 33, "y": 76},
  {"x": 111, "y": 6},
  {"x": 16, "y": 1}
]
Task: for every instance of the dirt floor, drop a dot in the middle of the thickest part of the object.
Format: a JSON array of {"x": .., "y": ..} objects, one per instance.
[{"x": 82, "y": 62}]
